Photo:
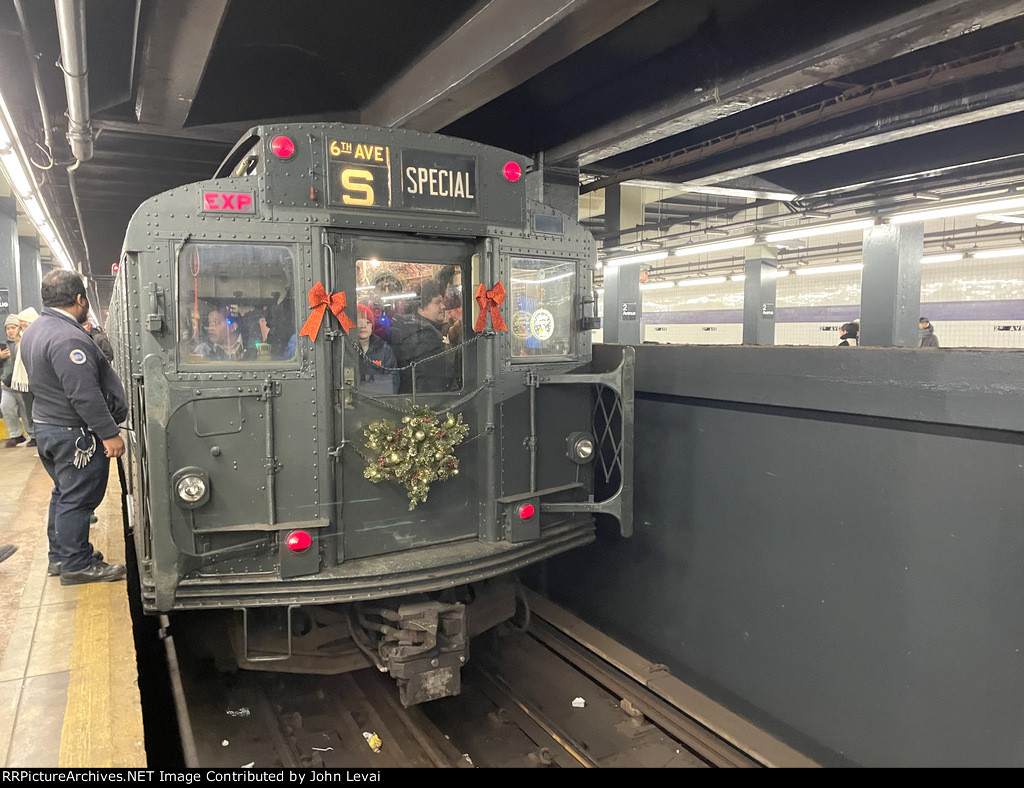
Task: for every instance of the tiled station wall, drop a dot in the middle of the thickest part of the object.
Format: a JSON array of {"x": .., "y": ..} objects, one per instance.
[{"x": 971, "y": 303}]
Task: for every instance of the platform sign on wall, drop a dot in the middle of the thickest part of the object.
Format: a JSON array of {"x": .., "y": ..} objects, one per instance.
[{"x": 5, "y": 300}]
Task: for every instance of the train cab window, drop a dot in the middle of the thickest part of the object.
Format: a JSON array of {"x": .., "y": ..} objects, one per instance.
[
  {"x": 541, "y": 307},
  {"x": 417, "y": 322},
  {"x": 236, "y": 304}
]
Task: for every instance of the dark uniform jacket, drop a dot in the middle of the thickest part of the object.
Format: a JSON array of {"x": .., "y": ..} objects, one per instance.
[
  {"x": 377, "y": 368},
  {"x": 415, "y": 338},
  {"x": 72, "y": 381}
]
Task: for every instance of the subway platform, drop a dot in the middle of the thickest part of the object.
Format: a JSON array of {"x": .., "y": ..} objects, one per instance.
[{"x": 69, "y": 693}]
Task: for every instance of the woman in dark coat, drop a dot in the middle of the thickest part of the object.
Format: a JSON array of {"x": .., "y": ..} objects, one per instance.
[{"x": 378, "y": 370}]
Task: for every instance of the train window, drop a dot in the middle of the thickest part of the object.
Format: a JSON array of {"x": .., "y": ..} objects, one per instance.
[
  {"x": 541, "y": 307},
  {"x": 236, "y": 304},
  {"x": 416, "y": 311}
]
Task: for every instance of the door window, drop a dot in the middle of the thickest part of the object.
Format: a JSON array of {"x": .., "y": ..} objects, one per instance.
[{"x": 410, "y": 324}]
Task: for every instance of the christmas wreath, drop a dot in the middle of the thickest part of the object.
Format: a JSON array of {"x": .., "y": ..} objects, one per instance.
[{"x": 415, "y": 453}]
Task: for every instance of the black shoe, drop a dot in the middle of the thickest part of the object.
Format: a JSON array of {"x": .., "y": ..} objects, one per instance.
[
  {"x": 99, "y": 572},
  {"x": 54, "y": 568},
  {"x": 6, "y": 551}
]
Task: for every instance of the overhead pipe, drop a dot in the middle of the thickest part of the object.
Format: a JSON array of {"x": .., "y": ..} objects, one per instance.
[{"x": 71, "y": 29}]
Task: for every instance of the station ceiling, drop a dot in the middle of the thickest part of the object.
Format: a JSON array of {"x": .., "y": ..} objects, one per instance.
[{"x": 832, "y": 103}]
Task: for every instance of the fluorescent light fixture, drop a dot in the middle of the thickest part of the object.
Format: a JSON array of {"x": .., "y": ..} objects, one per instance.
[
  {"x": 952, "y": 257},
  {"x": 365, "y": 287},
  {"x": 717, "y": 246},
  {"x": 398, "y": 297},
  {"x": 715, "y": 231},
  {"x": 34, "y": 210},
  {"x": 819, "y": 229},
  {"x": 724, "y": 191},
  {"x": 987, "y": 254},
  {"x": 15, "y": 173},
  {"x": 599, "y": 265},
  {"x": 657, "y": 285},
  {"x": 737, "y": 277},
  {"x": 829, "y": 269},
  {"x": 701, "y": 280},
  {"x": 970, "y": 209},
  {"x": 1001, "y": 217},
  {"x": 930, "y": 196},
  {"x": 779, "y": 273},
  {"x": 648, "y": 257}
]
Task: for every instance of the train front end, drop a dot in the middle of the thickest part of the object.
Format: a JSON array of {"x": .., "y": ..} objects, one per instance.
[{"x": 362, "y": 398}]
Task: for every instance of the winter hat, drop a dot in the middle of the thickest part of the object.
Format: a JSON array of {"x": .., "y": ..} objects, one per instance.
[
  {"x": 365, "y": 311},
  {"x": 28, "y": 314},
  {"x": 12, "y": 320}
]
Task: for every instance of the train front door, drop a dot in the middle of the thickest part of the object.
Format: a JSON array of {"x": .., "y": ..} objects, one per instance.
[{"x": 407, "y": 349}]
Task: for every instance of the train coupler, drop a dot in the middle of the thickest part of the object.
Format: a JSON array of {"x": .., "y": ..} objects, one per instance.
[{"x": 424, "y": 646}]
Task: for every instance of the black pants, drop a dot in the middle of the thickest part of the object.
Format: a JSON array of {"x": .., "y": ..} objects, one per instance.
[{"x": 76, "y": 491}]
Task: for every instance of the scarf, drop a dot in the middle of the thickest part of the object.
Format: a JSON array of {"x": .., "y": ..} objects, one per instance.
[{"x": 19, "y": 379}]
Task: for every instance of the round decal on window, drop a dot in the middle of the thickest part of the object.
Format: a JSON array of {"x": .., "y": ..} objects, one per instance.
[
  {"x": 521, "y": 324},
  {"x": 78, "y": 356},
  {"x": 542, "y": 324}
]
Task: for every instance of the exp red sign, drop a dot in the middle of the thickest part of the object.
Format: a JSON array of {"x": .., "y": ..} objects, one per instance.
[{"x": 229, "y": 202}]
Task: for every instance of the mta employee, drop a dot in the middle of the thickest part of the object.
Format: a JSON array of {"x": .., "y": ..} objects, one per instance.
[{"x": 79, "y": 403}]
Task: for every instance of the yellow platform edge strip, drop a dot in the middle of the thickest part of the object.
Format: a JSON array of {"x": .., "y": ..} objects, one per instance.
[{"x": 103, "y": 716}]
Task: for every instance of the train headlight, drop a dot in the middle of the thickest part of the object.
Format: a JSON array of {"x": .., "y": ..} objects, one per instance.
[
  {"x": 580, "y": 448},
  {"x": 191, "y": 487}
]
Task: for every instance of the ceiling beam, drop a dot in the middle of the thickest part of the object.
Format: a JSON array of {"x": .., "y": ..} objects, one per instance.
[
  {"x": 178, "y": 38},
  {"x": 868, "y": 133},
  {"x": 500, "y": 46},
  {"x": 931, "y": 24}
]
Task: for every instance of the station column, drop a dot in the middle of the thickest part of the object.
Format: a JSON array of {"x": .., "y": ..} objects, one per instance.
[
  {"x": 10, "y": 270},
  {"x": 890, "y": 296},
  {"x": 30, "y": 265},
  {"x": 760, "y": 270},
  {"x": 622, "y": 320}
]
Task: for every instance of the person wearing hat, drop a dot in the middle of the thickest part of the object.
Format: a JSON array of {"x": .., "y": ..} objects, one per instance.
[
  {"x": 12, "y": 403},
  {"x": 848, "y": 334},
  {"x": 378, "y": 369},
  {"x": 926, "y": 331}
]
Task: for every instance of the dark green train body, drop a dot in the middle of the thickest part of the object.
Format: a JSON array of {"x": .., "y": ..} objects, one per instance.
[{"x": 248, "y": 451}]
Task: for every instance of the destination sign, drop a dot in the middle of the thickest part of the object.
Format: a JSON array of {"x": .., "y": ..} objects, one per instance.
[
  {"x": 438, "y": 181},
  {"x": 360, "y": 174},
  {"x": 374, "y": 176}
]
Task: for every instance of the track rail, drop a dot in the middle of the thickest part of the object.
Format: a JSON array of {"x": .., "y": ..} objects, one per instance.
[{"x": 549, "y": 692}]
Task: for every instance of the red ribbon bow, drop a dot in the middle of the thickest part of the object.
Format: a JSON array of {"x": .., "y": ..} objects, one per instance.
[
  {"x": 490, "y": 300},
  {"x": 319, "y": 301}
]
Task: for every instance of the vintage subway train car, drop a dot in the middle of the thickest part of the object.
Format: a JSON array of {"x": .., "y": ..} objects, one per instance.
[{"x": 362, "y": 397}]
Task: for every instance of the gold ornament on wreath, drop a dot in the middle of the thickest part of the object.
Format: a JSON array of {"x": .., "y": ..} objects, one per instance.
[{"x": 415, "y": 453}]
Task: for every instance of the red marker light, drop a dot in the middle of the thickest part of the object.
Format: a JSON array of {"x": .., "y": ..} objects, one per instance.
[
  {"x": 512, "y": 172},
  {"x": 114, "y": 268},
  {"x": 283, "y": 147},
  {"x": 526, "y": 511},
  {"x": 299, "y": 541}
]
